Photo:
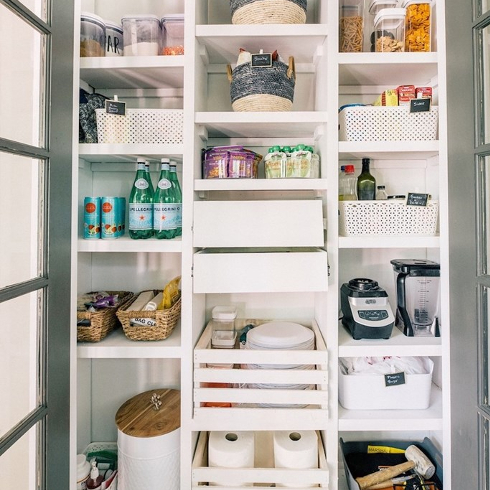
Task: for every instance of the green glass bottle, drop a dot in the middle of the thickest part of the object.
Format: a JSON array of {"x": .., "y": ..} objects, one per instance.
[
  {"x": 141, "y": 205},
  {"x": 366, "y": 183},
  {"x": 174, "y": 179},
  {"x": 163, "y": 204},
  {"x": 148, "y": 177}
]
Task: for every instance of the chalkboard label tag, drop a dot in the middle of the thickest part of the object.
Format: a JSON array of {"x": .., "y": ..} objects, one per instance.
[
  {"x": 395, "y": 379},
  {"x": 262, "y": 60},
  {"x": 415, "y": 199},
  {"x": 115, "y": 107},
  {"x": 420, "y": 105}
]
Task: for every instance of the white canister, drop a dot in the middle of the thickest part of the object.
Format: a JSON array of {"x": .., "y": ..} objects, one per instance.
[
  {"x": 83, "y": 471},
  {"x": 114, "y": 44},
  {"x": 148, "y": 441},
  {"x": 142, "y": 35}
]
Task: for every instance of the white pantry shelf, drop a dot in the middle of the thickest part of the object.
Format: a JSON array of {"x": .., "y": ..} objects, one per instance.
[
  {"x": 394, "y": 420},
  {"x": 133, "y": 72},
  {"x": 127, "y": 152},
  {"x": 126, "y": 244},
  {"x": 389, "y": 150},
  {"x": 117, "y": 346},
  {"x": 260, "y": 184},
  {"x": 223, "y": 42}
]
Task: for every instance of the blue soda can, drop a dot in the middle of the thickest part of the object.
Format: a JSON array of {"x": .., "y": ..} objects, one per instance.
[
  {"x": 91, "y": 217},
  {"x": 121, "y": 226},
  {"x": 108, "y": 206}
]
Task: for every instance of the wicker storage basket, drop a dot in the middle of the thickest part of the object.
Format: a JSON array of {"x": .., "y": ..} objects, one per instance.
[
  {"x": 268, "y": 11},
  {"x": 102, "y": 322},
  {"x": 165, "y": 321},
  {"x": 163, "y": 126},
  {"x": 377, "y": 123},
  {"x": 262, "y": 89},
  {"x": 387, "y": 218}
]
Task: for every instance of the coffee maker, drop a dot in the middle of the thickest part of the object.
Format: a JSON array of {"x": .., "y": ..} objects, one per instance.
[{"x": 417, "y": 285}]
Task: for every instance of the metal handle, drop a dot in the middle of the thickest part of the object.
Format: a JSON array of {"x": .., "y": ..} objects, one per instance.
[{"x": 155, "y": 401}]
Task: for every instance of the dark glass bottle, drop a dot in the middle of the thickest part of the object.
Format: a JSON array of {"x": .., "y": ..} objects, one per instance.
[{"x": 366, "y": 183}]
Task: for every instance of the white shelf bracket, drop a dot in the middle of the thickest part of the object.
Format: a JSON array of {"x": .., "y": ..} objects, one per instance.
[
  {"x": 202, "y": 132},
  {"x": 203, "y": 53},
  {"x": 319, "y": 132},
  {"x": 318, "y": 55}
]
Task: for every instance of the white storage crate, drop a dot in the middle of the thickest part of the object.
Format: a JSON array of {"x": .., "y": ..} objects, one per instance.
[
  {"x": 378, "y": 123},
  {"x": 263, "y": 475},
  {"x": 260, "y": 271},
  {"x": 152, "y": 126},
  {"x": 250, "y": 404},
  {"x": 369, "y": 391},
  {"x": 390, "y": 217}
]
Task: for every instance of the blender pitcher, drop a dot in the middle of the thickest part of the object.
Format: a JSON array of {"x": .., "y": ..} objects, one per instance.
[{"x": 417, "y": 292}]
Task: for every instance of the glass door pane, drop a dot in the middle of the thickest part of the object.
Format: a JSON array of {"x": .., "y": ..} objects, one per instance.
[
  {"x": 22, "y": 92},
  {"x": 22, "y": 201}
]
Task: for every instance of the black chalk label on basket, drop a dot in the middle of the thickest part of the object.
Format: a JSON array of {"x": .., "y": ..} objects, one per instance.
[
  {"x": 395, "y": 379},
  {"x": 415, "y": 199},
  {"x": 420, "y": 105},
  {"x": 115, "y": 107},
  {"x": 261, "y": 60}
]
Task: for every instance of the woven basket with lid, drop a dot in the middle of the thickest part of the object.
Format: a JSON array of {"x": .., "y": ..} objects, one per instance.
[{"x": 268, "y": 11}]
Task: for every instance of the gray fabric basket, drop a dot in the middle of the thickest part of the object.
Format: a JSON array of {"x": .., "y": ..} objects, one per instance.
[{"x": 267, "y": 81}]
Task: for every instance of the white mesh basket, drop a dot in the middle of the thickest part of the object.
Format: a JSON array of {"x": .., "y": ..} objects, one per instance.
[
  {"x": 377, "y": 123},
  {"x": 387, "y": 218},
  {"x": 163, "y": 126}
]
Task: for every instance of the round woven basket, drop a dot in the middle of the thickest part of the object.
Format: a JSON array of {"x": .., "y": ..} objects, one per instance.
[
  {"x": 268, "y": 11},
  {"x": 262, "y": 89}
]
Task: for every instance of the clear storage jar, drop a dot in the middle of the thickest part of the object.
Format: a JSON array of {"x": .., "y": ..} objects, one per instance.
[
  {"x": 92, "y": 35},
  {"x": 374, "y": 7},
  {"x": 142, "y": 35},
  {"x": 223, "y": 327},
  {"x": 417, "y": 25},
  {"x": 173, "y": 34},
  {"x": 351, "y": 26},
  {"x": 389, "y": 30},
  {"x": 114, "y": 43}
]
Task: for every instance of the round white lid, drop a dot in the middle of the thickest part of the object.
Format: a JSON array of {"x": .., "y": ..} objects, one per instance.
[
  {"x": 90, "y": 16},
  {"x": 279, "y": 334},
  {"x": 396, "y": 14},
  {"x": 375, "y": 4},
  {"x": 113, "y": 25},
  {"x": 224, "y": 313}
]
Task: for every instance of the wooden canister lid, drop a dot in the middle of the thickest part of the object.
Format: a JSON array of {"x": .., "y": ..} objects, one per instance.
[{"x": 150, "y": 414}]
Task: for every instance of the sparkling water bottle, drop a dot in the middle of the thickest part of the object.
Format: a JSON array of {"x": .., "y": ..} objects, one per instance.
[
  {"x": 165, "y": 210},
  {"x": 174, "y": 179},
  {"x": 141, "y": 205}
]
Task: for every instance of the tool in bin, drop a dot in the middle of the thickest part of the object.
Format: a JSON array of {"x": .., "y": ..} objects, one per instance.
[
  {"x": 417, "y": 461},
  {"x": 401, "y": 480}
]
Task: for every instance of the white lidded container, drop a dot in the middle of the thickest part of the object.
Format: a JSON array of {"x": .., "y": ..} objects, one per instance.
[
  {"x": 83, "y": 471},
  {"x": 114, "y": 44},
  {"x": 373, "y": 9},
  {"x": 417, "y": 25},
  {"x": 92, "y": 35},
  {"x": 173, "y": 34},
  {"x": 148, "y": 441},
  {"x": 389, "y": 30},
  {"x": 223, "y": 325},
  {"x": 142, "y": 35}
]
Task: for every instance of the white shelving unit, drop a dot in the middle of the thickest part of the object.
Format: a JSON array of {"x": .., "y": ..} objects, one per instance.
[{"x": 305, "y": 283}]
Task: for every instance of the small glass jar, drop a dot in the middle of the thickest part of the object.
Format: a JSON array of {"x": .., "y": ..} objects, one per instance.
[
  {"x": 417, "y": 25},
  {"x": 351, "y": 26},
  {"x": 374, "y": 7},
  {"x": 114, "y": 43},
  {"x": 223, "y": 327},
  {"x": 173, "y": 34},
  {"x": 92, "y": 36},
  {"x": 389, "y": 30},
  {"x": 142, "y": 35}
]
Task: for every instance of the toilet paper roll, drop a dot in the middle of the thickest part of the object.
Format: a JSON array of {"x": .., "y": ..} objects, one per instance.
[
  {"x": 231, "y": 450},
  {"x": 295, "y": 450}
]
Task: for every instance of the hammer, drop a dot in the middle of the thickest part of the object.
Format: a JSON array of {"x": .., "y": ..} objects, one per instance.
[{"x": 417, "y": 460}]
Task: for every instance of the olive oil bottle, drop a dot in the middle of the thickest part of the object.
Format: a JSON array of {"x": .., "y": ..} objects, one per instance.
[{"x": 366, "y": 183}]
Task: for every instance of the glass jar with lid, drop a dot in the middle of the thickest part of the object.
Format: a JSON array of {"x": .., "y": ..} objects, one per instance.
[
  {"x": 92, "y": 35},
  {"x": 223, "y": 327},
  {"x": 351, "y": 26},
  {"x": 374, "y": 7},
  {"x": 417, "y": 25},
  {"x": 114, "y": 39},
  {"x": 389, "y": 30}
]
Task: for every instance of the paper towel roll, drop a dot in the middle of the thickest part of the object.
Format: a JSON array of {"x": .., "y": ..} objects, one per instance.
[
  {"x": 231, "y": 450},
  {"x": 295, "y": 450}
]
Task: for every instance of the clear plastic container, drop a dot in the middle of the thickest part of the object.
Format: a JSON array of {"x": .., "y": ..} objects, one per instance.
[
  {"x": 348, "y": 184},
  {"x": 223, "y": 326},
  {"x": 389, "y": 30},
  {"x": 173, "y": 34},
  {"x": 351, "y": 19},
  {"x": 114, "y": 43},
  {"x": 92, "y": 36},
  {"x": 374, "y": 7},
  {"x": 142, "y": 35},
  {"x": 417, "y": 25}
]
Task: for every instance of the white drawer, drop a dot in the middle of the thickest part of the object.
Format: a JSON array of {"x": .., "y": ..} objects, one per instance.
[
  {"x": 244, "y": 271},
  {"x": 258, "y": 223}
]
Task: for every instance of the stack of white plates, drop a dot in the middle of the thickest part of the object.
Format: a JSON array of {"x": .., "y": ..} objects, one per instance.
[{"x": 280, "y": 336}]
